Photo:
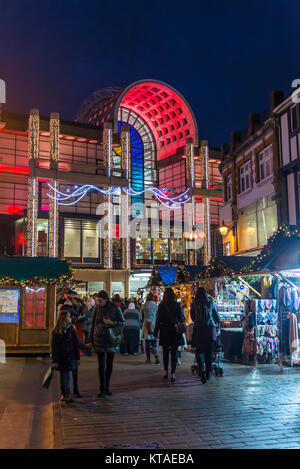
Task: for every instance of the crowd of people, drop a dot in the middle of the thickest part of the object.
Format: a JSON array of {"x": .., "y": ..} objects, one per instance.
[{"x": 129, "y": 326}]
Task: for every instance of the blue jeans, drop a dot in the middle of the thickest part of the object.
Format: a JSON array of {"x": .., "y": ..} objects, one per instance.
[{"x": 65, "y": 383}]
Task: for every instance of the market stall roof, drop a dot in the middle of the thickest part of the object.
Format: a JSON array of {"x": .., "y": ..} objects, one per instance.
[
  {"x": 236, "y": 263},
  {"x": 282, "y": 252},
  {"x": 167, "y": 274},
  {"x": 194, "y": 270},
  {"x": 28, "y": 268},
  {"x": 179, "y": 274}
]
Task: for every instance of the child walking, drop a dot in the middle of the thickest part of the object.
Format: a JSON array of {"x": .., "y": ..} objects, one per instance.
[{"x": 65, "y": 352}]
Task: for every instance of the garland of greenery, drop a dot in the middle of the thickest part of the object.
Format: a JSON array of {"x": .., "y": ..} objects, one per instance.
[
  {"x": 215, "y": 269},
  {"x": 283, "y": 233}
]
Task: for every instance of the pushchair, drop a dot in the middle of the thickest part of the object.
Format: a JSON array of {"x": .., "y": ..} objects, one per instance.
[{"x": 217, "y": 358}]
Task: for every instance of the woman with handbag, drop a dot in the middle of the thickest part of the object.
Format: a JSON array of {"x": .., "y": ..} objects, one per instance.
[
  {"x": 105, "y": 337},
  {"x": 170, "y": 327},
  {"x": 149, "y": 311},
  {"x": 205, "y": 317},
  {"x": 65, "y": 352}
]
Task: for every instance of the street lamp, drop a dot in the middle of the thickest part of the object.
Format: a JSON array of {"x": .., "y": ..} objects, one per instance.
[{"x": 223, "y": 229}]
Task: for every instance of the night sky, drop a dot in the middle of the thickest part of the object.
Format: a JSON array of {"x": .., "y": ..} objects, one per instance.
[{"x": 224, "y": 56}]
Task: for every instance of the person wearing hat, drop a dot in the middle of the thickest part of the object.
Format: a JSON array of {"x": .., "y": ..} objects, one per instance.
[
  {"x": 131, "y": 329},
  {"x": 106, "y": 315}
]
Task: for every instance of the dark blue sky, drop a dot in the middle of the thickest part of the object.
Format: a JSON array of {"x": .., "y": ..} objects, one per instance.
[{"x": 224, "y": 56}]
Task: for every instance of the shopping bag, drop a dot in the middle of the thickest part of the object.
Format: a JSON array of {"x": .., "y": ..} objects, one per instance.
[{"x": 48, "y": 377}]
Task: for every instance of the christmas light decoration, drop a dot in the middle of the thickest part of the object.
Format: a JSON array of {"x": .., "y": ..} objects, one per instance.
[
  {"x": 72, "y": 198},
  {"x": 53, "y": 206}
]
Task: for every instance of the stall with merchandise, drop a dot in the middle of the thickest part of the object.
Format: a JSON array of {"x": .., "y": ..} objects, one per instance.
[
  {"x": 275, "y": 273},
  {"x": 28, "y": 301},
  {"x": 221, "y": 280}
]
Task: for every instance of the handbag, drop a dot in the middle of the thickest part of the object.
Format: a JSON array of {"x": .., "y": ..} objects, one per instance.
[
  {"x": 48, "y": 377},
  {"x": 179, "y": 326},
  {"x": 114, "y": 335}
]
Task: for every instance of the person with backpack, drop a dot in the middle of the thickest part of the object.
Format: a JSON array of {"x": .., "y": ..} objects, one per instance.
[
  {"x": 168, "y": 321},
  {"x": 206, "y": 319}
]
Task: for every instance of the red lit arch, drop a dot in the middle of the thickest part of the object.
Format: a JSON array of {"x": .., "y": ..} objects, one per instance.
[{"x": 166, "y": 112}]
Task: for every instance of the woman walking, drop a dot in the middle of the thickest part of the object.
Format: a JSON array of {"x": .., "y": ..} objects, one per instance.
[
  {"x": 148, "y": 312},
  {"x": 131, "y": 330},
  {"x": 206, "y": 319},
  {"x": 107, "y": 315},
  {"x": 168, "y": 317},
  {"x": 65, "y": 352}
]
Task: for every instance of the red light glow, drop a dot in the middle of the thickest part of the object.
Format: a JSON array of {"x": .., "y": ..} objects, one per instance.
[
  {"x": 166, "y": 113},
  {"x": 15, "y": 209},
  {"x": 6, "y": 168}
]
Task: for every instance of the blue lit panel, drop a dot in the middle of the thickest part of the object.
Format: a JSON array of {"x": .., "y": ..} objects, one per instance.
[{"x": 137, "y": 162}]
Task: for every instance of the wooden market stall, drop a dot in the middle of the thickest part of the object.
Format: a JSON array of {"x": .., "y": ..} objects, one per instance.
[{"x": 28, "y": 301}]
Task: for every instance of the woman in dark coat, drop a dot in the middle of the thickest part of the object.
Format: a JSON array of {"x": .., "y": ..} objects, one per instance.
[
  {"x": 169, "y": 314},
  {"x": 106, "y": 315},
  {"x": 206, "y": 318},
  {"x": 65, "y": 352}
]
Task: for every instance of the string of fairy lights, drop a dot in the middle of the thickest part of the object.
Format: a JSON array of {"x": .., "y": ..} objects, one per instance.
[{"x": 161, "y": 195}]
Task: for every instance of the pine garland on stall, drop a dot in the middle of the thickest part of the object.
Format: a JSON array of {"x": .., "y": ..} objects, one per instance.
[
  {"x": 282, "y": 234},
  {"x": 155, "y": 278},
  {"x": 182, "y": 276}
]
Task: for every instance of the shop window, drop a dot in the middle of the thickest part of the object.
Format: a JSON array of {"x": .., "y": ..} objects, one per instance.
[
  {"x": 161, "y": 249},
  {"x": 72, "y": 238},
  {"x": 90, "y": 240},
  {"x": 42, "y": 237},
  {"x": 81, "y": 239},
  {"x": 245, "y": 176},
  {"x": 34, "y": 310},
  {"x": 143, "y": 249},
  {"x": 177, "y": 249},
  {"x": 265, "y": 163}
]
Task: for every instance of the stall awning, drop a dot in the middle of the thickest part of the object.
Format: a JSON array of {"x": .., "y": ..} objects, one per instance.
[
  {"x": 43, "y": 269},
  {"x": 167, "y": 274},
  {"x": 194, "y": 270}
]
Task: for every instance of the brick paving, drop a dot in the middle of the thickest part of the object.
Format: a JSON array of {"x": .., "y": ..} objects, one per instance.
[{"x": 246, "y": 408}]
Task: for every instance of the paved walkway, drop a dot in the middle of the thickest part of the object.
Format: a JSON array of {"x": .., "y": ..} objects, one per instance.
[
  {"x": 247, "y": 408},
  {"x": 26, "y": 409}
]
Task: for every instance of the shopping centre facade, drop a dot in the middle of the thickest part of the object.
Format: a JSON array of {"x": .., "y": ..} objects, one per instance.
[{"x": 132, "y": 159}]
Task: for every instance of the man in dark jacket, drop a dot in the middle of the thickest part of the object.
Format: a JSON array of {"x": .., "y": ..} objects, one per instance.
[
  {"x": 205, "y": 317},
  {"x": 106, "y": 315}
]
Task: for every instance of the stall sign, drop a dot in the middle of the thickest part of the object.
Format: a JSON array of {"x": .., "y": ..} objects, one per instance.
[
  {"x": 243, "y": 289},
  {"x": 9, "y": 305}
]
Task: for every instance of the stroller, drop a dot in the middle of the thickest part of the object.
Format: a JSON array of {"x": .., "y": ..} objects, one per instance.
[{"x": 217, "y": 358}]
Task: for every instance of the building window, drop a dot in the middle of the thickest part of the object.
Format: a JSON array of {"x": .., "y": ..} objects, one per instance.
[
  {"x": 265, "y": 163},
  {"x": 34, "y": 316},
  {"x": 81, "y": 239},
  {"x": 229, "y": 188},
  {"x": 245, "y": 176},
  {"x": 295, "y": 117},
  {"x": 256, "y": 223}
]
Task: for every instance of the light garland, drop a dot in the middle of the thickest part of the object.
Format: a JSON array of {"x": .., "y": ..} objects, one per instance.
[{"x": 68, "y": 199}]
